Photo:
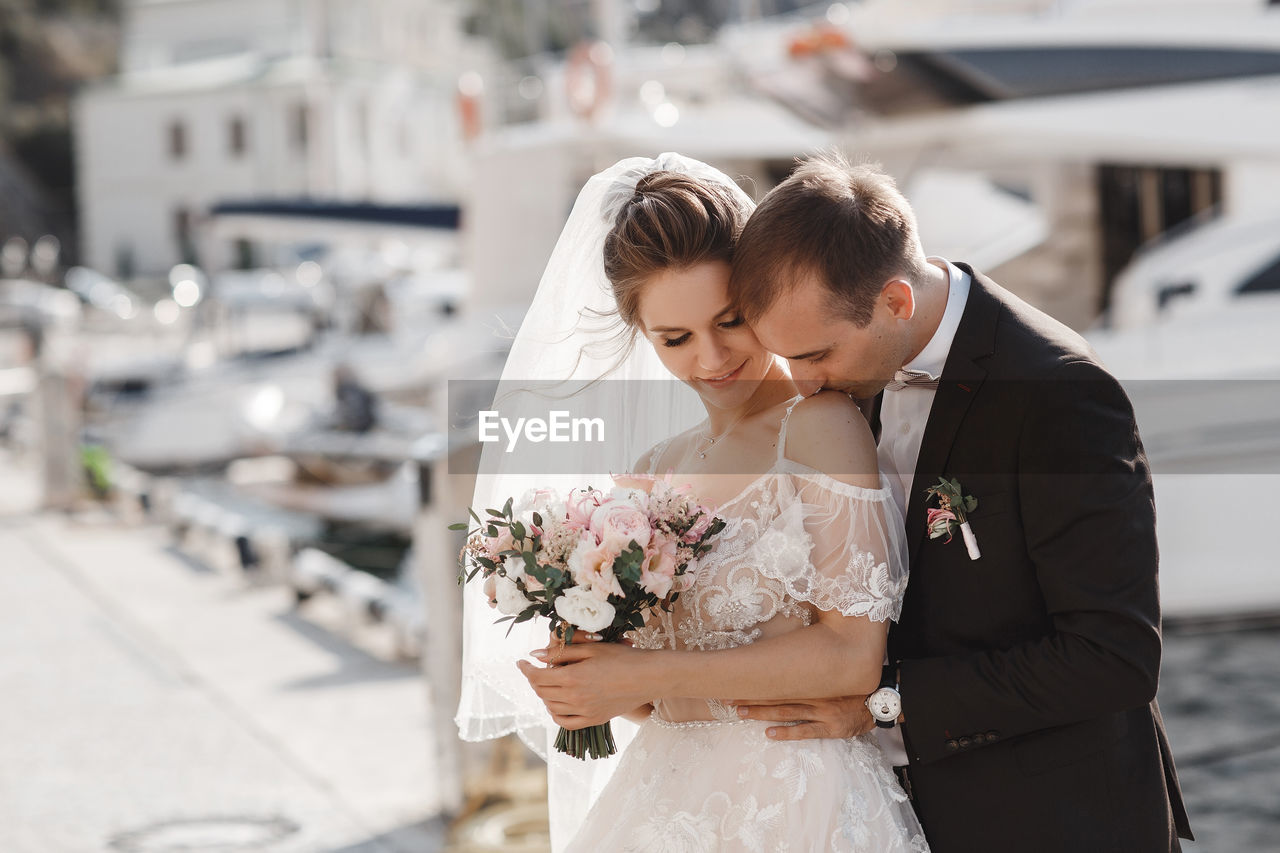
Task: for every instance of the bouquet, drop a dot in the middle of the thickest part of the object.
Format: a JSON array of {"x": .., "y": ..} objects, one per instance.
[{"x": 592, "y": 561}]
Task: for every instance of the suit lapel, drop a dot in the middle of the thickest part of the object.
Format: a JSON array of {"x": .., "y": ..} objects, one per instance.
[{"x": 962, "y": 376}]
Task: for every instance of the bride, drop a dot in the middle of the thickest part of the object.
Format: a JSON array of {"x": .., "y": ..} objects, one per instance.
[{"x": 793, "y": 601}]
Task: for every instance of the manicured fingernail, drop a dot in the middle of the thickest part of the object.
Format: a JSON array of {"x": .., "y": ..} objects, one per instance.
[
  {"x": 594, "y": 637},
  {"x": 742, "y": 712},
  {"x": 539, "y": 654},
  {"x": 770, "y": 732}
]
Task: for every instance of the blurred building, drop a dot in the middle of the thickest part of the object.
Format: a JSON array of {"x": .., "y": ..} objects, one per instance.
[{"x": 336, "y": 100}]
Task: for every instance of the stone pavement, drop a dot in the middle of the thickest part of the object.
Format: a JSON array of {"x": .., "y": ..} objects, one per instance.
[
  {"x": 146, "y": 704},
  {"x": 1220, "y": 698}
]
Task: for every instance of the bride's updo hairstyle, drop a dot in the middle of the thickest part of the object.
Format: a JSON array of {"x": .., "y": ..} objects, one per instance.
[{"x": 672, "y": 221}]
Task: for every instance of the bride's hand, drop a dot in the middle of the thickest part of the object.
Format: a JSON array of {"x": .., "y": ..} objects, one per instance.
[
  {"x": 843, "y": 717},
  {"x": 589, "y": 684}
]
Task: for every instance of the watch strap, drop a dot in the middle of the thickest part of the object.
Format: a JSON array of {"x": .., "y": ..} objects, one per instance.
[{"x": 889, "y": 676}]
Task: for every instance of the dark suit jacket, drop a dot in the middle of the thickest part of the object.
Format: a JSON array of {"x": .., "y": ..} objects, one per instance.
[{"x": 1029, "y": 676}]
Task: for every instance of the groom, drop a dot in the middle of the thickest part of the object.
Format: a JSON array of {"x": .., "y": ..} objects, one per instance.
[{"x": 1027, "y": 676}]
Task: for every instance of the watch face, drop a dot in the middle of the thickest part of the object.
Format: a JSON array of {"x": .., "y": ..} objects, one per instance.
[{"x": 885, "y": 704}]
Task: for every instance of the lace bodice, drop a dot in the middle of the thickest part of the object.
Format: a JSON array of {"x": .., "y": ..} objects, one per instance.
[{"x": 797, "y": 541}]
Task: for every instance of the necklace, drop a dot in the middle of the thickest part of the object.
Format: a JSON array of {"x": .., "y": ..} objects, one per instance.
[{"x": 712, "y": 439}]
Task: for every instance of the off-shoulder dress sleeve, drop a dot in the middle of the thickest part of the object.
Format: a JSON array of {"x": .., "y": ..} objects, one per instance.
[{"x": 836, "y": 546}]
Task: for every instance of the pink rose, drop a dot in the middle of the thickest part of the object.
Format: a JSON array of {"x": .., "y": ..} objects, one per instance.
[
  {"x": 580, "y": 505},
  {"x": 699, "y": 527},
  {"x": 618, "y": 522},
  {"x": 494, "y": 545},
  {"x": 591, "y": 566},
  {"x": 658, "y": 571}
]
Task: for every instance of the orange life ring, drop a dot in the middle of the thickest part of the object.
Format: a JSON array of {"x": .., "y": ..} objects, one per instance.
[
  {"x": 587, "y": 77},
  {"x": 818, "y": 39}
]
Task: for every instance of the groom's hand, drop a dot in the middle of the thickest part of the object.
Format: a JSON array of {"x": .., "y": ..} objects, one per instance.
[{"x": 843, "y": 717}]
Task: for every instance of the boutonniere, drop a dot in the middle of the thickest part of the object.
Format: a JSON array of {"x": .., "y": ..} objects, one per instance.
[{"x": 952, "y": 513}]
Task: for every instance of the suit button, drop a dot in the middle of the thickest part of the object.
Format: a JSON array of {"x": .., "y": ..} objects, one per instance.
[
  {"x": 965, "y": 742},
  {"x": 992, "y": 736},
  {"x": 952, "y": 745}
]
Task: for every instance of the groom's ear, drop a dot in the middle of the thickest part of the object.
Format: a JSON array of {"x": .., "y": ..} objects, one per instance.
[{"x": 899, "y": 298}]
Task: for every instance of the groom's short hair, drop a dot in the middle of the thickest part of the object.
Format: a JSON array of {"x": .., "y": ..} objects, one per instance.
[{"x": 845, "y": 223}]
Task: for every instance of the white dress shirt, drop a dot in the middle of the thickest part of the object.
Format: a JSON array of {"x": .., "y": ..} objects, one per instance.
[{"x": 903, "y": 415}]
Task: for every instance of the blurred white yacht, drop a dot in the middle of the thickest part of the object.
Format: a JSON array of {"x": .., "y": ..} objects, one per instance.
[{"x": 1192, "y": 334}]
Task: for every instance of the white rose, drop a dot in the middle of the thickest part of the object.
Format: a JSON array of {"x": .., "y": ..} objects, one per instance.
[
  {"x": 514, "y": 567},
  {"x": 542, "y": 501},
  {"x": 511, "y": 601},
  {"x": 637, "y": 498},
  {"x": 580, "y": 608},
  {"x": 526, "y": 518}
]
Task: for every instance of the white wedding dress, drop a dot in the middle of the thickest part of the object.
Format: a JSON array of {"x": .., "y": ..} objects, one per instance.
[{"x": 699, "y": 779}]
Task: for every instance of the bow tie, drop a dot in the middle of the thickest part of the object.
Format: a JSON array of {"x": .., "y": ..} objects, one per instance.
[{"x": 912, "y": 379}]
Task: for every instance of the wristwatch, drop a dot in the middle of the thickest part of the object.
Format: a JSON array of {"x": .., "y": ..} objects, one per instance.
[{"x": 886, "y": 703}]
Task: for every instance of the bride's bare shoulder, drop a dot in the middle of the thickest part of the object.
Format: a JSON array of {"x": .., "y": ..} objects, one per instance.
[
  {"x": 826, "y": 411},
  {"x": 829, "y": 433}
]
